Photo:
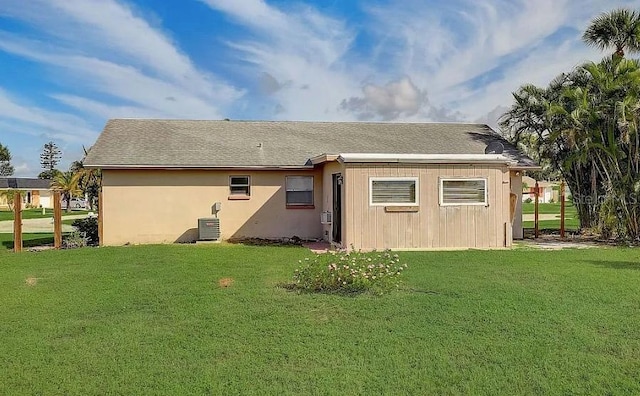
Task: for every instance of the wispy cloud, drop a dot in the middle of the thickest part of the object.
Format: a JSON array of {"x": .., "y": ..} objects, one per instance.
[
  {"x": 34, "y": 120},
  {"x": 303, "y": 47},
  {"x": 454, "y": 60},
  {"x": 114, "y": 51},
  {"x": 406, "y": 60}
]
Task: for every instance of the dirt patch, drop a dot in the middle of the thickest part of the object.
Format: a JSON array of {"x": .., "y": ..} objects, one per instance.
[
  {"x": 31, "y": 281},
  {"x": 225, "y": 282}
]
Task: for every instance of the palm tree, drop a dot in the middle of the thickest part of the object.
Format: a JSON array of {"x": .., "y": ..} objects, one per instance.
[
  {"x": 68, "y": 185},
  {"x": 608, "y": 119},
  {"x": 89, "y": 181},
  {"x": 539, "y": 121},
  {"x": 619, "y": 29}
]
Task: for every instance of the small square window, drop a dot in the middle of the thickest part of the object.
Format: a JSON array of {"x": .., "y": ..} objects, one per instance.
[
  {"x": 240, "y": 185},
  {"x": 463, "y": 191},
  {"x": 299, "y": 190}
]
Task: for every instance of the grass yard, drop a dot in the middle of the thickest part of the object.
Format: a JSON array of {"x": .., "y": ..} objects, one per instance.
[
  {"x": 548, "y": 208},
  {"x": 571, "y": 216},
  {"x": 154, "y": 320},
  {"x": 28, "y": 240},
  {"x": 37, "y": 213}
]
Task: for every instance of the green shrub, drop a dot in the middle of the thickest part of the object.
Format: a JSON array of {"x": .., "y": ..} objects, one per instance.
[
  {"x": 88, "y": 228},
  {"x": 349, "y": 272},
  {"x": 74, "y": 240},
  {"x": 528, "y": 200}
]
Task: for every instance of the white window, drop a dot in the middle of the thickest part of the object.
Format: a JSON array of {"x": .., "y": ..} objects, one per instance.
[
  {"x": 239, "y": 185},
  {"x": 463, "y": 192},
  {"x": 299, "y": 190},
  {"x": 393, "y": 191}
]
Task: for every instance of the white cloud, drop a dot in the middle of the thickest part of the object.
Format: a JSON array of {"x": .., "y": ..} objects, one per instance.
[
  {"x": 26, "y": 118},
  {"x": 303, "y": 50},
  {"x": 106, "y": 48},
  {"x": 395, "y": 99},
  {"x": 112, "y": 59}
]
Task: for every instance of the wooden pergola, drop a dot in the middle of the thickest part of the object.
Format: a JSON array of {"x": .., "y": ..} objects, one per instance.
[{"x": 17, "y": 221}]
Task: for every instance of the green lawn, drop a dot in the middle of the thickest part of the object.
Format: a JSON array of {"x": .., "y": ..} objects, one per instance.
[
  {"x": 571, "y": 216},
  {"x": 153, "y": 320},
  {"x": 37, "y": 213},
  {"x": 28, "y": 240},
  {"x": 554, "y": 208}
]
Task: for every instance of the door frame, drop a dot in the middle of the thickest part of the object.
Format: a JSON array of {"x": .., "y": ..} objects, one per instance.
[{"x": 337, "y": 182}]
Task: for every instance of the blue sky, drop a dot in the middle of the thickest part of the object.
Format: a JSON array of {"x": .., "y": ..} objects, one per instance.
[{"x": 67, "y": 66}]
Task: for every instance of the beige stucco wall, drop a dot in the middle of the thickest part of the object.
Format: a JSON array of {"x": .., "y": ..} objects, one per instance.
[
  {"x": 163, "y": 206},
  {"x": 432, "y": 226},
  {"x": 38, "y": 198}
]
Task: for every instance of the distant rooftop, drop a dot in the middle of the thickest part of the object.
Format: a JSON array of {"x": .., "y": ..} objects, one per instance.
[{"x": 24, "y": 183}]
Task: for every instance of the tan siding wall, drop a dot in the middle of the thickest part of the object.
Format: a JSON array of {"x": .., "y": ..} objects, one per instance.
[
  {"x": 164, "y": 206},
  {"x": 433, "y": 226}
]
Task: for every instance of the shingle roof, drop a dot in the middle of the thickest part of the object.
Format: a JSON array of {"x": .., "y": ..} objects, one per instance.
[
  {"x": 184, "y": 143},
  {"x": 24, "y": 183}
]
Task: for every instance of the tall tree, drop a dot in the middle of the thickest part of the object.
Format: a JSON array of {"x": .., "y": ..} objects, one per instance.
[
  {"x": 606, "y": 115},
  {"x": 49, "y": 159},
  {"x": 538, "y": 122},
  {"x": 618, "y": 29},
  {"x": 67, "y": 184},
  {"x": 89, "y": 181},
  {"x": 6, "y": 169}
]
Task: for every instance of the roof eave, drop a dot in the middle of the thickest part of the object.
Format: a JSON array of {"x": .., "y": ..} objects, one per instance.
[
  {"x": 199, "y": 167},
  {"x": 426, "y": 158},
  {"x": 525, "y": 167}
]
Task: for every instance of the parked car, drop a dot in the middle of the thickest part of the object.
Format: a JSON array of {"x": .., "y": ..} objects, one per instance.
[{"x": 75, "y": 203}]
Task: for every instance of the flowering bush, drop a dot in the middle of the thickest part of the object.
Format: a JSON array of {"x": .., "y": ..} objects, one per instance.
[{"x": 349, "y": 272}]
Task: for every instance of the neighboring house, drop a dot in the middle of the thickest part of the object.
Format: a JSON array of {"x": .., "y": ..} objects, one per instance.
[
  {"x": 549, "y": 191},
  {"x": 374, "y": 185},
  {"x": 37, "y": 193}
]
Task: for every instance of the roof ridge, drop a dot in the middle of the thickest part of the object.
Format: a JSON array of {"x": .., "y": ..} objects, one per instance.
[{"x": 304, "y": 121}]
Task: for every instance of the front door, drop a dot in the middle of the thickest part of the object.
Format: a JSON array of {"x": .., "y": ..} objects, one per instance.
[{"x": 337, "y": 208}]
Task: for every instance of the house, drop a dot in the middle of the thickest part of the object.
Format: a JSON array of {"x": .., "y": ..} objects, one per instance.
[
  {"x": 36, "y": 193},
  {"x": 366, "y": 185},
  {"x": 549, "y": 191}
]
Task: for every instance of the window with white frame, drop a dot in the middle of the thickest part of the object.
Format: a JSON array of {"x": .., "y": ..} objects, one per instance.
[
  {"x": 299, "y": 190},
  {"x": 393, "y": 191},
  {"x": 468, "y": 191},
  {"x": 240, "y": 185}
]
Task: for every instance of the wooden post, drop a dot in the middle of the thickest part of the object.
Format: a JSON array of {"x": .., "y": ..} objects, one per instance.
[
  {"x": 562, "y": 209},
  {"x": 57, "y": 220},
  {"x": 17, "y": 222},
  {"x": 535, "y": 216},
  {"x": 100, "y": 217}
]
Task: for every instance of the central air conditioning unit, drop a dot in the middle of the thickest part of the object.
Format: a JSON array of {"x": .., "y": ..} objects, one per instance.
[
  {"x": 326, "y": 217},
  {"x": 209, "y": 229}
]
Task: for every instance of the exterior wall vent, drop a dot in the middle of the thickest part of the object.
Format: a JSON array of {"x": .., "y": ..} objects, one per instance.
[
  {"x": 326, "y": 217},
  {"x": 209, "y": 229}
]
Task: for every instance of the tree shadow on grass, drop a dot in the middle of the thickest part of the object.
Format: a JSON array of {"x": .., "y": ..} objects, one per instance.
[
  {"x": 630, "y": 265},
  {"x": 29, "y": 243}
]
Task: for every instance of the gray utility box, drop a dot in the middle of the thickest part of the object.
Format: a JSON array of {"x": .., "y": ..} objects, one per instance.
[{"x": 209, "y": 229}]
